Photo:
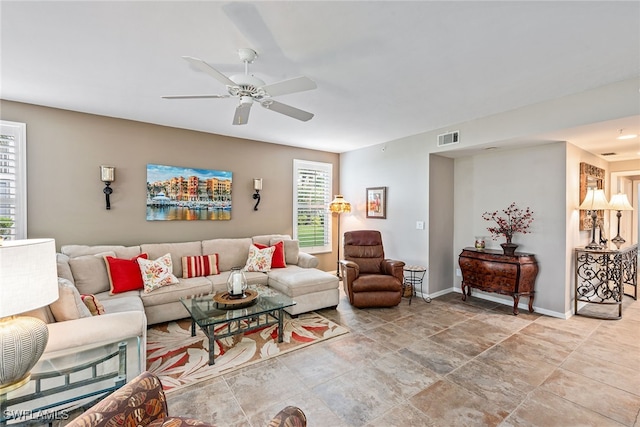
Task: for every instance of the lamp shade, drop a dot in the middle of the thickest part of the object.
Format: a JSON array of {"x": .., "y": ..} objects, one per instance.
[
  {"x": 595, "y": 200},
  {"x": 339, "y": 205},
  {"x": 28, "y": 280},
  {"x": 28, "y": 275},
  {"x": 619, "y": 202}
]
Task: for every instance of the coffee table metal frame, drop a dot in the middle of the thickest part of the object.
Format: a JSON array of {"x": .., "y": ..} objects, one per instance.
[
  {"x": 267, "y": 310},
  {"x": 58, "y": 382}
]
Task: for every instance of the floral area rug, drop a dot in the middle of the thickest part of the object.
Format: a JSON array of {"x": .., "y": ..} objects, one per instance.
[{"x": 179, "y": 359}]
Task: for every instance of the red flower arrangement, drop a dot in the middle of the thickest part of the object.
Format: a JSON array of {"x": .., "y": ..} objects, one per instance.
[{"x": 516, "y": 221}]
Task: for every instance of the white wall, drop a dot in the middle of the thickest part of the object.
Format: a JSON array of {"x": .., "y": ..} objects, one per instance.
[
  {"x": 544, "y": 177},
  {"x": 531, "y": 177}
]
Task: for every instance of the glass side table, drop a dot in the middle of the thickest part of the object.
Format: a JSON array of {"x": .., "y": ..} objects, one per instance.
[
  {"x": 413, "y": 277},
  {"x": 65, "y": 383}
]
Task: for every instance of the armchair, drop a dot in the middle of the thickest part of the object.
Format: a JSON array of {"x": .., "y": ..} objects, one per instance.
[
  {"x": 142, "y": 402},
  {"x": 370, "y": 280}
]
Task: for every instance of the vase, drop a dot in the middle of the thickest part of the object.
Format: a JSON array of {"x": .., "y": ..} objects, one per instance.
[{"x": 509, "y": 248}]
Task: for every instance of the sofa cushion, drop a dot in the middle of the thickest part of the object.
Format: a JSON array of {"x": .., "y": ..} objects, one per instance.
[
  {"x": 278, "y": 258},
  {"x": 177, "y": 251},
  {"x": 95, "y": 307},
  {"x": 266, "y": 239},
  {"x": 42, "y": 313},
  {"x": 90, "y": 272},
  {"x": 157, "y": 273},
  {"x": 63, "y": 267},
  {"x": 69, "y": 305},
  {"x": 124, "y": 274},
  {"x": 120, "y": 303},
  {"x": 293, "y": 280},
  {"x": 259, "y": 259},
  {"x": 291, "y": 251},
  {"x": 120, "y": 251},
  {"x": 185, "y": 288},
  {"x": 199, "y": 265},
  {"x": 231, "y": 252}
]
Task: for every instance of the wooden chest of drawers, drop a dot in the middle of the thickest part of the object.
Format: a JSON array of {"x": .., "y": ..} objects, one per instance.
[{"x": 492, "y": 271}]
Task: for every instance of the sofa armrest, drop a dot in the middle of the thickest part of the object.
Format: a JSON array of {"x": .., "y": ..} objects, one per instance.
[
  {"x": 394, "y": 268},
  {"x": 306, "y": 260},
  {"x": 108, "y": 327},
  {"x": 350, "y": 271}
]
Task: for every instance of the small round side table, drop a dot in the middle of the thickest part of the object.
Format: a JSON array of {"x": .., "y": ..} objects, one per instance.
[{"x": 414, "y": 274}]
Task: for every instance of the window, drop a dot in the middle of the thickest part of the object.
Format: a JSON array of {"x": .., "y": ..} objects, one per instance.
[
  {"x": 13, "y": 180},
  {"x": 312, "y": 184}
]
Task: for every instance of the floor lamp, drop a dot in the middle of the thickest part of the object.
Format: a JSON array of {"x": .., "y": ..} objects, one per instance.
[
  {"x": 594, "y": 201},
  {"x": 338, "y": 206},
  {"x": 619, "y": 202}
]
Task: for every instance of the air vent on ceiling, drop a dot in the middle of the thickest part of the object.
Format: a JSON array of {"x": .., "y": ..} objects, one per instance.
[
  {"x": 448, "y": 138},
  {"x": 608, "y": 154}
]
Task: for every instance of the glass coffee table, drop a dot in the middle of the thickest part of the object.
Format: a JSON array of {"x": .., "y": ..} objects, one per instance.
[{"x": 219, "y": 320}]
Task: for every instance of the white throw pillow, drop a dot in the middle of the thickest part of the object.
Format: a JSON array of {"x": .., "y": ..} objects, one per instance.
[
  {"x": 259, "y": 259},
  {"x": 157, "y": 273},
  {"x": 69, "y": 305}
]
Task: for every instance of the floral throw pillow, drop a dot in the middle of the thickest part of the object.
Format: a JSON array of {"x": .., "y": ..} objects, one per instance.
[
  {"x": 157, "y": 273},
  {"x": 259, "y": 259}
]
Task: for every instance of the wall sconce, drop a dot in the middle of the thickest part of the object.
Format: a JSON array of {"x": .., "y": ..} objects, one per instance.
[
  {"x": 107, "y": 175},
  {"x": 257, "y": 185}
]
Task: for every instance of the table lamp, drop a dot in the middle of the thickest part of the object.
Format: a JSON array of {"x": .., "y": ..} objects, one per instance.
[
  {"x": 28, "y": 280},
  {"x": 594, "y": 201},
  {"x": 619, "y": 202},
  {"x": 339, "y": 205}
]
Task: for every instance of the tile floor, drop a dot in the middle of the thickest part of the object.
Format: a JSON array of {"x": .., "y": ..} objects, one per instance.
[{"x": 444, "y": 363}]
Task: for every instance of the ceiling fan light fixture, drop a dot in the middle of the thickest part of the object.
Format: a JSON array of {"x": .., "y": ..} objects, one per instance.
[{"x": 249, "y": 88}]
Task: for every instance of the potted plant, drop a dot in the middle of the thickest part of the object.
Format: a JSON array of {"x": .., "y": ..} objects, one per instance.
[{"x": 508, "y": 222}]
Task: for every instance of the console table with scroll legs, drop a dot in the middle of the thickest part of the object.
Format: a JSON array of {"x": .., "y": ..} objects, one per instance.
[{"x": 603, "y": 277}]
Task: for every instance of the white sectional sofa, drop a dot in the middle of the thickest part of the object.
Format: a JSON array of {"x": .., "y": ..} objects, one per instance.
[{"x": 127, "y": 314}]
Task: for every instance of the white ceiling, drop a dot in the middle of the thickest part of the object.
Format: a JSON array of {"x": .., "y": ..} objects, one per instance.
[{"x": 384, "y": 70}]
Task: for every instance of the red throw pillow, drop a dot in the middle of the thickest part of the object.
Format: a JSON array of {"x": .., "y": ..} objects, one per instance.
[
  {"x": 124, "y": 274},
  {"x": 199, "y": 265},
  {"x": 278, "y": 260}
]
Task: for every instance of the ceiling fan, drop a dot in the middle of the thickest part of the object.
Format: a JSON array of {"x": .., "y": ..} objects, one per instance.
[{"x": 249, "y": 89}]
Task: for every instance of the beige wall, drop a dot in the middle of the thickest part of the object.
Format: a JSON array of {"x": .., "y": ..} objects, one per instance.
[{"x": 65, "y": 198}]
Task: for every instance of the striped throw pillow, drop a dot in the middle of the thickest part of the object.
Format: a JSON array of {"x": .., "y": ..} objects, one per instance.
[{"x": 199, "y": 265}]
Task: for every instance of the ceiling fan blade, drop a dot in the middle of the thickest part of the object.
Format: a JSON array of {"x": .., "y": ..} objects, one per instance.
[
  {"x": 298, "y": 84},
  {"x": 242, "y": 114},
  {"x": 194, "y": 96},
  {"x": 287, "y": 110},
  {"x": 203, "y": 66}
]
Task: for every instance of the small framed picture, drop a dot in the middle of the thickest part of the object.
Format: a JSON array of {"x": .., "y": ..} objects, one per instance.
[{"x": 377, "y": 202}]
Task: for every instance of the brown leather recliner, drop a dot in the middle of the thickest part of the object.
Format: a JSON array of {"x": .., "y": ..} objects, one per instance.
[{"x": 370, "y": 280}]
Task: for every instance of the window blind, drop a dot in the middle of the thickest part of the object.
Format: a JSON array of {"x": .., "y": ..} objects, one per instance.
[
  {"x": 13, "y": 176},
  {"x": 312, "y": 195}
]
